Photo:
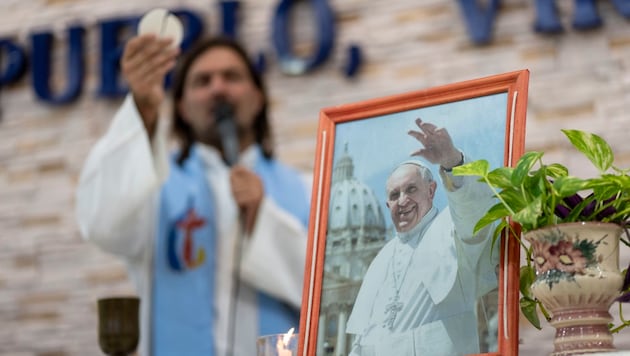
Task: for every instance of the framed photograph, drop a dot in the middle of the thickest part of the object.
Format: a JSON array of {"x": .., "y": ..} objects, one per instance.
[{"x": 393, "y": 265}]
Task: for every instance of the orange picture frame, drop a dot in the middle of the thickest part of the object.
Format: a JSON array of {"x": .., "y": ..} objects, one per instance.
[{"x": 367, "y": 138}]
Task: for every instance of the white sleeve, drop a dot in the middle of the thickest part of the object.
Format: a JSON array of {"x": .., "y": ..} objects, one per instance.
[
  {"x": 468, "y": 200},
  {"x": 274, "y": 258},
  {"x": 117, "y": 192}
]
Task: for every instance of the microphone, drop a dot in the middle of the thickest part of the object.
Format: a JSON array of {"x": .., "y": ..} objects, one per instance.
[{"x": 224, "y": 115}]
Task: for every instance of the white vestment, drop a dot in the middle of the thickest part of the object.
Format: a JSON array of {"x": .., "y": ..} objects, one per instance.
[
  {"x": 121, "y": 219},
  {"x": 418, "y": 297}
]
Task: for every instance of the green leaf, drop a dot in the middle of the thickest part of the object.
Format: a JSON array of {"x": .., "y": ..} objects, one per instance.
[
  {"x": 611, "y": 181},
  {"x": 524, "y": 165},
  {"x": 593, "y": 147},
  {"x": 501, "y": 177},
  {"x": 536, "y": 184},
  {"x": 476, "y": 168},
  {"x": 556, "y": 170},
  {"x": 569, "y": 185},
  {"x": 621, "y": 215},
  {"x": 527, "y": 277},
  {"x": 528, "y": 308},
  {"x": 603, "y": 193},
  {"x": 497, "y": 212},
  {"x": 528, "y": 216},
  {"x": 514, "y": 198}
]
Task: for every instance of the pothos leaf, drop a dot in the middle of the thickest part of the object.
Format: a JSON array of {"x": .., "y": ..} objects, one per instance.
[
  {"x": 593, "y": 147},
  {"x": 528, "y": 308},
  {"x": 495, "y": 213},
  {"x": 524, "y": 166},
  {"x": 569, "y": 185},
  {"x": 527, "y": 277},
  {"x": 501, "y": 177},
  {"x": 556, "y": 170},
  {"x": 528, "y": 216},
  {"x": 477, "y": 168}
]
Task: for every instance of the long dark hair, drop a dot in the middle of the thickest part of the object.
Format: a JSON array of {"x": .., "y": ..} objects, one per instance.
[{"x": 183, "y": 131}]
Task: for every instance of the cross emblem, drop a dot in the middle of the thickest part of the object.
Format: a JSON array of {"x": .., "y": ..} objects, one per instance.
[
  {"x": 392, "y": 310},
  {"x": 189, "y": 223}
]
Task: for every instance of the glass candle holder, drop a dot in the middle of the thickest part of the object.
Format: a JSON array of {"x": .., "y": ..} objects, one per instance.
[{"x": 277, "y": 345}]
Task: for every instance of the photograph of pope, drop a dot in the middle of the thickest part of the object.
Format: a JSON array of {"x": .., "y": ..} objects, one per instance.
[{"x": 419, "y": 295}]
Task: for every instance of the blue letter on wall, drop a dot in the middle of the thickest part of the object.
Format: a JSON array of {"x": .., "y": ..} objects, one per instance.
[
  {"x": 547, "y": 19},
  {"x": 193, "y": 27},
  {"x": 623, "y": 6},
  {"x": 479, "y": 20},
  {"x": 585, "y": 15},
  {"x": 111, "y": 51},
  {"x": 42, "y": 61},
  {"x": 15, "y": 62},
  {"x": 289, "y": 62},
  {"x": 229, "y": 12}
]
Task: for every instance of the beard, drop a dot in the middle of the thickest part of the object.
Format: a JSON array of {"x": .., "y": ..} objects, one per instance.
[{"x": 208, "y": 135}]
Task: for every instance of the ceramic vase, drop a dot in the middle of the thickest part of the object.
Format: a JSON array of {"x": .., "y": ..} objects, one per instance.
[{"x": 577, "y": 280}]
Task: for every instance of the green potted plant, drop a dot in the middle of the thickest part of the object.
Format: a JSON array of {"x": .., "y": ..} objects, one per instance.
[{"x": 564, "y": 264}]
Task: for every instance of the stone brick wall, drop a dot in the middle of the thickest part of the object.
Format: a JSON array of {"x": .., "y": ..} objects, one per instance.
[{"x": 50, "y": 279}]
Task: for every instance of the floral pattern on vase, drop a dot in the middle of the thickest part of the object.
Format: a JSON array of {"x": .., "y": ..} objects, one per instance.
[
  {"x": 577, "y": 280},
  {"x": 560, "y": 257}
]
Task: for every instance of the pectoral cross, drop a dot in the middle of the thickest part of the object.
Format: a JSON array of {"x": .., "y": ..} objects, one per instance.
[{"x": 392, "y": 310}]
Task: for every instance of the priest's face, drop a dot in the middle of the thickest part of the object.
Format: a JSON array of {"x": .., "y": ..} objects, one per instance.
[
  {"x": 409, "y": 196},
  {"x": 219, "y": 74}
]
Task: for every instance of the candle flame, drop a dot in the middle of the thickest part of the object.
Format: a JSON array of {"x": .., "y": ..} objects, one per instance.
[
  {"x": 283, "y": 343},
  {"x": 287, "y": 337}
]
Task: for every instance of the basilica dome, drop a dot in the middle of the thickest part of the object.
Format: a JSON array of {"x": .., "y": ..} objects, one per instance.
[
  {"x": 353, "y": 205},
  {"x": 356, "y": 232}
]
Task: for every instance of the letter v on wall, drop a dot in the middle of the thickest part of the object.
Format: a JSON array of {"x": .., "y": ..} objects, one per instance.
[{"x": 479, "y": 16}]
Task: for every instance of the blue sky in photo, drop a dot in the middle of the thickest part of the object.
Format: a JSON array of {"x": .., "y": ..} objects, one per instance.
[{"x": 378, "y": 144}]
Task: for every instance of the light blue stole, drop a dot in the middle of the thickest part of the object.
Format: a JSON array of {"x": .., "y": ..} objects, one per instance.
[
  {"x": 183, "y": 281},
  {"x": 183, "y": 274}
]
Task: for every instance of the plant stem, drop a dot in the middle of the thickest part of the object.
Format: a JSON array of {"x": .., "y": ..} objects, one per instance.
[
  {"x": 543, "y": 310},
  {"x": 496, "y": 194},
  {"x": 624, "y": 322}
]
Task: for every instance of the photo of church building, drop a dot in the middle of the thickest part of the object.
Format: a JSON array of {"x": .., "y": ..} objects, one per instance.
[{"x": 356, "y": 232}]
